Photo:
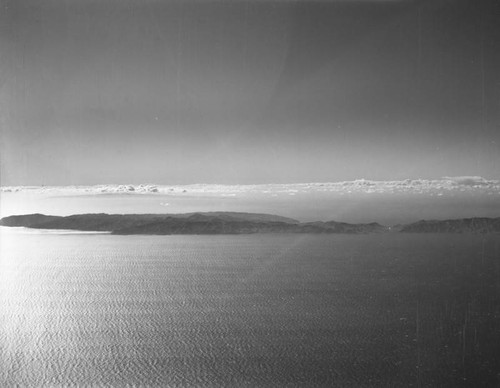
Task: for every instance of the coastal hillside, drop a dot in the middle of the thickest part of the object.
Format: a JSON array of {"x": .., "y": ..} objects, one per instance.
[
  {"x": 190, "y": 223},
  {"x": 234, "y": 223},
  {"x": 464, "y": 225}
]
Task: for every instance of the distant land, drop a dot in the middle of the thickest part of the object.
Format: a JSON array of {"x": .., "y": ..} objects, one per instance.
[
  {"x": 234, "y": 223},
  {"x": 463, "y": 225}
]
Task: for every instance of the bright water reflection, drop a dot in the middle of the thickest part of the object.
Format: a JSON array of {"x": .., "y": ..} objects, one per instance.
[{"x": 255, "y": 310}]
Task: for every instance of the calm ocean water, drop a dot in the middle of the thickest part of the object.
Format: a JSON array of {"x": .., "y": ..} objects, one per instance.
[{"x": 258, "y": 310}]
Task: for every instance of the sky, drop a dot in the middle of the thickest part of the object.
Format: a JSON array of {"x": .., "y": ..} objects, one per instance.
[{"x": 239, "y": 92}]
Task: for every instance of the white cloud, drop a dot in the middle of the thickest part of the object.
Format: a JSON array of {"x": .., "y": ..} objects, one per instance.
[
  {"x": 361, "y": 186},
  {"x": 469, "y": 180}
]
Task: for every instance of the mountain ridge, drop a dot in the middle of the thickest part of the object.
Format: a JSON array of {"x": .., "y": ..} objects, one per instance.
[{"x": 234, "y": 223}]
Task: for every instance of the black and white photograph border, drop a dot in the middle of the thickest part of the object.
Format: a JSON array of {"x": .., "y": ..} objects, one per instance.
[{"x": 250, "y": 193}]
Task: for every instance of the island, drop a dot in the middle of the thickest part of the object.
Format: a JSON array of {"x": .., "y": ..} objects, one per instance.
[
  {"x": 462, "y": 225},
  {"x": 233, "y": 223},
  {"x": 189, "y": 223}
]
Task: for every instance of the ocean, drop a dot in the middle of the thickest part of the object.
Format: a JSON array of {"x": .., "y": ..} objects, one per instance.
[{"x": 375, "y": 310}]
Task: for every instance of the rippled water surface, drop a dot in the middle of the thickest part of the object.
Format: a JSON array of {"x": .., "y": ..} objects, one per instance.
[{"x": 259, "y": 310}]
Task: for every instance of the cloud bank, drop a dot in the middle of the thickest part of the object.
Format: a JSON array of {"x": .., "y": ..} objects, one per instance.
[{"x": 446, "y": 185}]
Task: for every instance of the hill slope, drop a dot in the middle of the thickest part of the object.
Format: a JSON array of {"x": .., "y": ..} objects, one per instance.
[
  {"x": 190, "y": 223},
  {"x": 234, "y": 223},
  {"x": 463, "y": 225}
]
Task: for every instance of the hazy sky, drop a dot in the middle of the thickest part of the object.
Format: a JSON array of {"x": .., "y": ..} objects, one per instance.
[{"x": 118, "y": 91}]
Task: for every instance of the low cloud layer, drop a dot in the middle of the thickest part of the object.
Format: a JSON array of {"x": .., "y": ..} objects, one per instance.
[{"x": 410, "y": 186}]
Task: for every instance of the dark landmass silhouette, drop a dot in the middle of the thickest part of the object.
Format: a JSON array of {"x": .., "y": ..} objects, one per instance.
[
  {"x": 190, "y": 223},
  {"x": 234, "y": 223},
  {"x": 462, "y": 225}
]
